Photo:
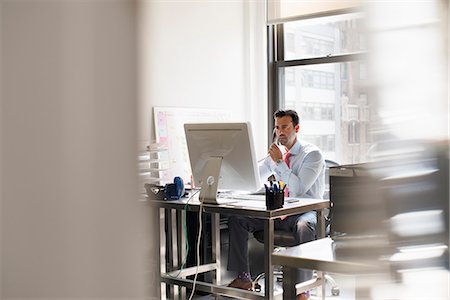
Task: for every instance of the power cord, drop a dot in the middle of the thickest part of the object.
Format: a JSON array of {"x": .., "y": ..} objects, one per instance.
[
  {"x": 198, "y": 248},
  {"x": 210, "y": 182},
  {"x": 186, "y": 235}
]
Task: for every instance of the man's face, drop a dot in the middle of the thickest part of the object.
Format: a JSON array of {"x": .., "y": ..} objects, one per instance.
[{"x": 285, "y": 130}]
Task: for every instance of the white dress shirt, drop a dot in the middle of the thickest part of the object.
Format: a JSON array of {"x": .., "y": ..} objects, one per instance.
[{"x": 306, "y": 175}]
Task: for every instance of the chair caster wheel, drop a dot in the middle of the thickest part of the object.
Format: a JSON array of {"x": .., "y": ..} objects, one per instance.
[{"x": 335, "y": 291}]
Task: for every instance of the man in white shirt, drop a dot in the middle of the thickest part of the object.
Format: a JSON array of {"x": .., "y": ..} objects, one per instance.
[{"x": 302, "y": 169}]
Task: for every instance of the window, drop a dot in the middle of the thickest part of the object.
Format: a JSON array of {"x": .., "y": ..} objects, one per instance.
[
  {"x": 315, "y": 46},
  {"x": 325, "y": 82},
  {"x": 315, "y": 111},
  {"x": 362, "y": 71},
  {"x": 290, "y": 42},
  {"x": 324, "y": 142},
  {"x": 290, "y": 77},
  {"x": 363, "y": 98},
  {"x": 317, "y": 79},
  {"x": 324, "y": 36}
]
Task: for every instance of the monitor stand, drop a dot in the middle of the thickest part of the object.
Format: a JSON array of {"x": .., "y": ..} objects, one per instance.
[{"x": 210, "y": 180}]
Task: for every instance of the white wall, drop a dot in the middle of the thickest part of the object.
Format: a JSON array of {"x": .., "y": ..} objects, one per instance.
[
  {"x": 71, "y": 225},
  {"x": 203, "y": 54}
]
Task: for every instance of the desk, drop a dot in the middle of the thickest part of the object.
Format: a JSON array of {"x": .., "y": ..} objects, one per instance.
[
  {"x": 245, "y": 208},
  {"x": 319, "y": 255}
]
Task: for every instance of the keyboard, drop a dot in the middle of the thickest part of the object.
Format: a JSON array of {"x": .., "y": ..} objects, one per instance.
[{"x": 242, "y": 197}]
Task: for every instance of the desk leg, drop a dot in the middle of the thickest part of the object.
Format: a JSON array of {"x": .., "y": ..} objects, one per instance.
[
  {"x": 172, "y": 253},
  {"x": 268, "y": 267},
  {"x": 321, "y": 232},
  {"x": 174, "y": 247},
  {"x": 215, "y": 241},
  {"x": 181, "y": 216},
  {"x": 162, "y": 251},
  {"x": 289, "y": 290}
]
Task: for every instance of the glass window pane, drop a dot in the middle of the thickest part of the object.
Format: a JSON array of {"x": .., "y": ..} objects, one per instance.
[
  {"x": 334, "y": 110},
  {"x": 324, "y": 36},
  {"x": 279, "y": 10}
]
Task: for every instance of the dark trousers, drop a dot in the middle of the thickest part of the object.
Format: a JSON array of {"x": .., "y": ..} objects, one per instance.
[{"x": 302, "y": 226}]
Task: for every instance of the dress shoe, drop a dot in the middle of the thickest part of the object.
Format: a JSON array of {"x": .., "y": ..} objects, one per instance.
[
  {"x": 303, "y": 296},
  {"x": 242, "y": 284}
]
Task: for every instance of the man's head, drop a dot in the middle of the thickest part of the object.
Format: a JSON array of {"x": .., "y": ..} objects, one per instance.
[{"x": 286, "y": 127}]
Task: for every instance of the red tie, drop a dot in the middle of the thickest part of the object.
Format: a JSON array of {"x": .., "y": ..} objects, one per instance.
[{"x": 286, "y": 160}]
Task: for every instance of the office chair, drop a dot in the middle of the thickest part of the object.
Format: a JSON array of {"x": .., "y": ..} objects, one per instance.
[{"x": 285, "y": 239}]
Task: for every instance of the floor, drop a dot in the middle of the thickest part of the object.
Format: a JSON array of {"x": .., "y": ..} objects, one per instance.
[
  {"x": 431, "y": 283},
  {"x": 345, "y": 285},
  {"x": 412, "y": 285}
]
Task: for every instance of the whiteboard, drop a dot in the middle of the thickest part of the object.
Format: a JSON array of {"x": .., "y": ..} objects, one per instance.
[{"x": 169, "y": 130}]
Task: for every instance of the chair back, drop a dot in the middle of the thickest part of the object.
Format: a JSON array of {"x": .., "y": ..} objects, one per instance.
[
  {"x": 281, "y": 238},
  {"x": 328, "y": 163}
]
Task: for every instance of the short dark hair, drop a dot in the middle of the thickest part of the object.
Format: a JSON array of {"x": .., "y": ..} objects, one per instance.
[{"x": 291, "y": 113}]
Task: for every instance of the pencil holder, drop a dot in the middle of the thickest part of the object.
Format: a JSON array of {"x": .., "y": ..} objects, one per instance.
[{"x": 274, "y": 200}]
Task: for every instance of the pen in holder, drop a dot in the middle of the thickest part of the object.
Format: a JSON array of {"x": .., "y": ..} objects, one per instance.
[{"x": 274, "y": 198}]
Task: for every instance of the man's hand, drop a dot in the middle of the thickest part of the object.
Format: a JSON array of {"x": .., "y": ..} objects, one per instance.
[{"x": 275, "y": 152}]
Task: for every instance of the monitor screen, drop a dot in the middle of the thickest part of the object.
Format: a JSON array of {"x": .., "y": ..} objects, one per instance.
[{"x": 226, "y": 148}]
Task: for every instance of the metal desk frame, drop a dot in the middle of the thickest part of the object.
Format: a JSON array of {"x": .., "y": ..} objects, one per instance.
[{"x": 176, "y": 251}]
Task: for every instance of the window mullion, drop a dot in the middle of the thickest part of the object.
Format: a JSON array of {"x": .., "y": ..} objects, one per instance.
[
  {"x": 272, "y": 78},
  {"x": 356, "y": 56},
  {"x": 280, "y": 91}
]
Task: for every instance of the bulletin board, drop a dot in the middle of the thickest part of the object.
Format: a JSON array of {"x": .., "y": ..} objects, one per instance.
[{"x": 169, "y": 130}]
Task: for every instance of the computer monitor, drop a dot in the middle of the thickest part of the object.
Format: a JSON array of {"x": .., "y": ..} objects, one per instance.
[{"x": 222, "y": 156}]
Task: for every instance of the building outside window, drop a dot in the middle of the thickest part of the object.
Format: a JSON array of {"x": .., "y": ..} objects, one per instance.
[
  {"x": 353, "y": 132},
  {"x": 320, "y": 71}
]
